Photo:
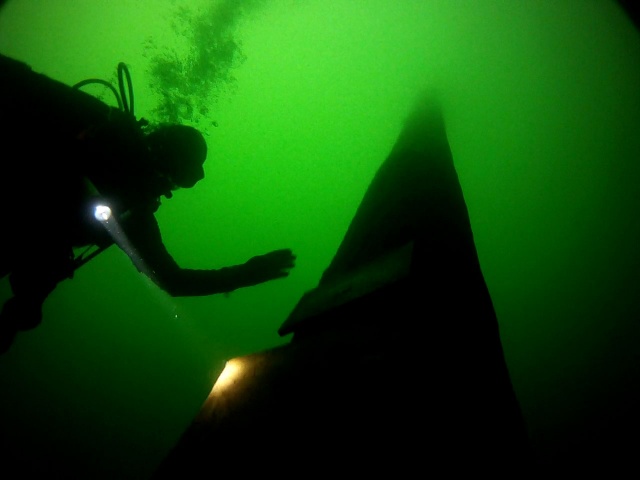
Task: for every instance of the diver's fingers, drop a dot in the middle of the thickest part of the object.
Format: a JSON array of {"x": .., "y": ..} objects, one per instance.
[{"x": 284, "y": 257}]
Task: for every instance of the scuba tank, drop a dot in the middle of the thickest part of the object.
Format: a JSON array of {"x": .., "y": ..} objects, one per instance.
[{"x": 95, "y": 207}]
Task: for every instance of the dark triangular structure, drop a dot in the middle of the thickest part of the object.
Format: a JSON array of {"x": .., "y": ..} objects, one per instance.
[{"x": 395, "y": 364}]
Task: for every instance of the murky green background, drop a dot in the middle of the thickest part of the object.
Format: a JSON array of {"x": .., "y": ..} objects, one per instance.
[{"x": 542, "y": 102}]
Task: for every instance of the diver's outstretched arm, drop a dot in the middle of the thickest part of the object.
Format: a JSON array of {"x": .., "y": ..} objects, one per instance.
[{"x": 151, "y": 257}]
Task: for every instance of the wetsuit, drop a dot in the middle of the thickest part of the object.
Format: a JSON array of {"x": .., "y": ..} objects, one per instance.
[{"x": 54, "y": 139}]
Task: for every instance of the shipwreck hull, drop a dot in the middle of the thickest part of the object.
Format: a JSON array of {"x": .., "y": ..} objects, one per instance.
[{"x": 395, "y": 361}]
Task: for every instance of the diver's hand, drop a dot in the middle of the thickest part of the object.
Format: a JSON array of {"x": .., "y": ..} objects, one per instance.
[{"x": 272, "y": 265}]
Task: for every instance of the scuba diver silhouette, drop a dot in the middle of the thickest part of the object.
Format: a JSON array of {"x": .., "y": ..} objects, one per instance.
[{"x": 78, "y": 173}]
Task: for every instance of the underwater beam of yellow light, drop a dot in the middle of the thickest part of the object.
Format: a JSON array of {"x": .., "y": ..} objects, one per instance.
[{"x": 231, "y": 372}]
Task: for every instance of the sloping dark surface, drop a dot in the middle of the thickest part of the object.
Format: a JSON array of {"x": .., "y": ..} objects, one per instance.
[
  {"x": 630, "y": 7},
  {"x": 393, "y": 372}
]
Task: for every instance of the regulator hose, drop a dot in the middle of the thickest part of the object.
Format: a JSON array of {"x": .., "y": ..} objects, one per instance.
[{"x": 124, "y": 97}]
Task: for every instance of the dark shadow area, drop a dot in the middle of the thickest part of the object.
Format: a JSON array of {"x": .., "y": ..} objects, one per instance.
[{"x": 631, "y": 9}]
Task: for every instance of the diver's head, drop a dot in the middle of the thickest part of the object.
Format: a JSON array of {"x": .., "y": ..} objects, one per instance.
[{"x": 179, "y": 153}]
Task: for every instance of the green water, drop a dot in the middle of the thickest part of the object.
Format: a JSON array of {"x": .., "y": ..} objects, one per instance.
[{"x": 300, "y": 102}]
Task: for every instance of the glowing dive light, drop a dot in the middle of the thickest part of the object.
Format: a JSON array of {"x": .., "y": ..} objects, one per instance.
[{"x": 102, "y": 213}]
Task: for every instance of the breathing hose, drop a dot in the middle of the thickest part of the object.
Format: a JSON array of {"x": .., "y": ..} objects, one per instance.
[{"x": 124, "y": 98}]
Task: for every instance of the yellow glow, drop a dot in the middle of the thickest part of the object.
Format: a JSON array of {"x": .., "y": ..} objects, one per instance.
[{"x": 231, "y": 372}]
